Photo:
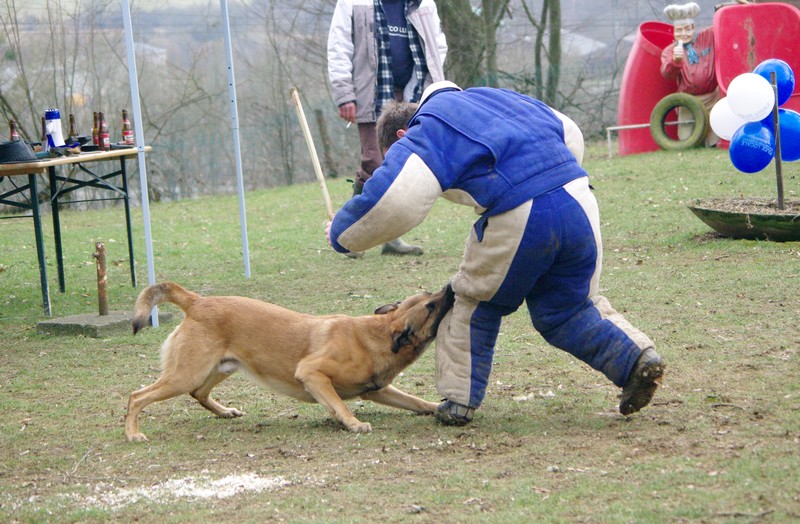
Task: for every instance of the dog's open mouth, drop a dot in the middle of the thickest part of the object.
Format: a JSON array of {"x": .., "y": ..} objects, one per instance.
[
  {"x": 442, "y": 306},
  {"x": 449, "y": 299}
]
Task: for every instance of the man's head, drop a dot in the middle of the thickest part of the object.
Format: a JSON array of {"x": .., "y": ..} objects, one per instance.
[
  {"x": 684, "y": 33},
  {"x": 682, "y": 17},
  {"x": 393, "y": 122}
]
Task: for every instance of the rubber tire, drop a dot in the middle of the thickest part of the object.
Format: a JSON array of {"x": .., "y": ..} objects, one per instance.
[{"x": 659, "y": 115}]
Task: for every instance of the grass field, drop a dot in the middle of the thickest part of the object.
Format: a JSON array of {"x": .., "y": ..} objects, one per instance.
[{"x": 720, "y": 443}]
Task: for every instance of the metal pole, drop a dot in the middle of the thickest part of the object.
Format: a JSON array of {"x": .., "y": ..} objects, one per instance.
[
  {"x": 37, "y": 232},
  {"x": 235, "y": 127},
  {"x": 778, "y": 161},
  {"x": 137, "y": 122}
]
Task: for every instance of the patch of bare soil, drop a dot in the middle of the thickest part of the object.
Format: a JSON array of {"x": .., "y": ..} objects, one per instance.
[{"x": 752, "y": 206}]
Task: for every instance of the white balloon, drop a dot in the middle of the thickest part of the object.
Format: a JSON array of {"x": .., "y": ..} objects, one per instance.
[
  {"x": 724, "y": 121},
  {"x": 751, "y": 97}
]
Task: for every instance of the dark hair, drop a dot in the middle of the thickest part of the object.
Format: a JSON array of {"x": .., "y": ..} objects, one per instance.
[{"x": 394, "y": 116}]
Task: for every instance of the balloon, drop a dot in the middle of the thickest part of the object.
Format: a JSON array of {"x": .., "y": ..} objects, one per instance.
[
  {"x": 724, "y": 121},
  {"x": 768, "y": 121},
  {"x": 784, "y": 77},
  {"x": 752, "y": 147},
  {"x": 790, "y": 134},
  {"x": 751, "y": 96}
]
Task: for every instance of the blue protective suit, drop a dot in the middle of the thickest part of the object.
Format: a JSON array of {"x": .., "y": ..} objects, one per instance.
[{"x": 516, "y": 161}]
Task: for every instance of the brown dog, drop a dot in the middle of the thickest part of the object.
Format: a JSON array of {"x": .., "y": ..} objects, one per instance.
[{"x": 312, "y": 358}]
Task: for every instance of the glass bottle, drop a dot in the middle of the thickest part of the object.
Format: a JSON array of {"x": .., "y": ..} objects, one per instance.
[
  {"x": 127, "y": 129},
  {"x": 13, "y": 133},
  {"x": 73, "y": 134},
  {"x": 95, "y": 131},
  {"x": 45, "y": 146},
  {"x": 105, "y": 141}
]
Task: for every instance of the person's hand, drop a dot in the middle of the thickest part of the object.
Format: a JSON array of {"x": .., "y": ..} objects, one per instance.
[
  {"x": 347, "y": 111},
  {"x": 678, "y": 53}
]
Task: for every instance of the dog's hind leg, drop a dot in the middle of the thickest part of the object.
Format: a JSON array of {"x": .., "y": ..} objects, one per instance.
[
  {"x": 203, "y": 395},
  {"x": 170, "y": 384},
  {"x": 391, "y": 396},
  {"x": 164, "y": 388}
]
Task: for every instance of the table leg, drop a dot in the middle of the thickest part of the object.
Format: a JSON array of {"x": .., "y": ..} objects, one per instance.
[
  {"x": 128, "y": 219},
  {"x": 51, "y": 171},
  {"x": 37, "y": 230}
]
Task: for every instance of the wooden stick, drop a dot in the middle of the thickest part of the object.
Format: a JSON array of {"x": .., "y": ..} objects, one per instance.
[
  {"x": 312, "y": 150},
  {"x": 102, "y": 278}
]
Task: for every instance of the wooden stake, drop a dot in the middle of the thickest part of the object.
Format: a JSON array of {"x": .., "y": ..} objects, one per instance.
[
  {"x": 102, "y": 278},
  {"x": 312, "y": 150}
]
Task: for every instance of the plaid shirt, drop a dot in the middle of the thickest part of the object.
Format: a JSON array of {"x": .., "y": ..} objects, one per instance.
[{"x": 384, "y": 90}]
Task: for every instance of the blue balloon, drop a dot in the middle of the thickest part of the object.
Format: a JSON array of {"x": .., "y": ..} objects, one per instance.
[
  {"x": 790, "y": 134},
  {"x": 752, "y": 147},
  {"x": 784, "y": 77}
]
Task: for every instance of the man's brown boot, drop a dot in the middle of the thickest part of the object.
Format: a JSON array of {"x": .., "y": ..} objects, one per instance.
[
  {"x": 451, "y": 413},
  {"x": 643, "y": 382}
]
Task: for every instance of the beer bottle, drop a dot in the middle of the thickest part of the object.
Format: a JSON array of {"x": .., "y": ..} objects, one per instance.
[
  {"x": 95, "y": 131},
  {"x": 73, "y": 134},
  {"x": 105, "y": 141},
  {"x": 127, "y": 129},
  {"x": 45, "y": 145},
  {"x": 13, "y": 133}
]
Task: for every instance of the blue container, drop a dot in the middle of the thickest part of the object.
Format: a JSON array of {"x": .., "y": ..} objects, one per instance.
[{"x": 55, "y": 136}]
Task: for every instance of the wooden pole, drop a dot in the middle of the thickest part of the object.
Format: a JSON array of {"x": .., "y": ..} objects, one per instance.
[
  {"x": 102, "y": 278},
  {"x": 301, "y": 116}
]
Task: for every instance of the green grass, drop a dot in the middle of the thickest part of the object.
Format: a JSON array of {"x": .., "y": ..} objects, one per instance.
[{"x": 721, "y": 442}]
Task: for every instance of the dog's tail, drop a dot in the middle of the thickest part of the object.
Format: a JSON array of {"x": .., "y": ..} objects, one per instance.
[{"x": 157, "y": 294}]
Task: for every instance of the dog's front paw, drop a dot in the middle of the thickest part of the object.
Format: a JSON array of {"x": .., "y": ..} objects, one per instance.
[
  {"x": 360, "y": 427},
  {"x": 137, "y": 437},
  {"x": 231, "y": 413},
  {"x": 428, "y": 409}
]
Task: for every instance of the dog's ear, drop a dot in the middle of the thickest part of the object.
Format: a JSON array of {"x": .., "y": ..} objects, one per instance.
[
  {"x": 388, "y": 308},
  {"x": 401, "y": 339}
]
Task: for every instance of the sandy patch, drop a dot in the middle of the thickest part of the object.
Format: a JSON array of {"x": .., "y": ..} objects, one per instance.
[{"x": 111, "y": 497}]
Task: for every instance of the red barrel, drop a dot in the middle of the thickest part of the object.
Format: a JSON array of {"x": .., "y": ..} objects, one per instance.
[
  {"x": 643, "y": 86},
  {"x": 746, "y": 35}
]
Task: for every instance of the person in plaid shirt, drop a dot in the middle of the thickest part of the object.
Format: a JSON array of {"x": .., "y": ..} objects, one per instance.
[{"x": 381, "y": 50}]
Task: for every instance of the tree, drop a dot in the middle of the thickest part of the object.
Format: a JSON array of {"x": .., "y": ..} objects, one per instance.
[
  {"x": 492, "y": 12},
  {"x": 547, "y": 24},
  {"x": 472, "y": 40}
]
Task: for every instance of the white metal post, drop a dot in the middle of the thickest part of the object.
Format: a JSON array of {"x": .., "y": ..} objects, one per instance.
[
  {"x": 235, "y": 127},
  {"x": 137, "y": 119}
]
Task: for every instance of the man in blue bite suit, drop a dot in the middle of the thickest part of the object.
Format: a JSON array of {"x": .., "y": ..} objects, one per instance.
[{"x": 517, "y": 162}]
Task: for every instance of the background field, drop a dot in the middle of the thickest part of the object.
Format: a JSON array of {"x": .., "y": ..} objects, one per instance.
[{"x": 720, "y": 443}]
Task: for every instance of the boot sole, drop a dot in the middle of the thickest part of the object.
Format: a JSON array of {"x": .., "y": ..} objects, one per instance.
[
  {"x": 649, "y": 379},
  {"x": 449, "y": 420},
  {"x": 410, "y": 252}
]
